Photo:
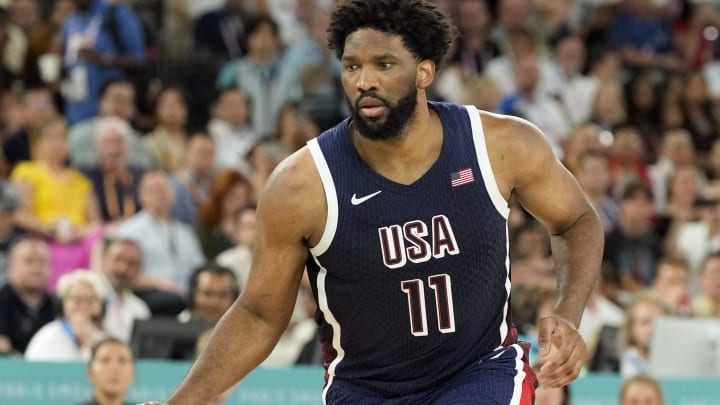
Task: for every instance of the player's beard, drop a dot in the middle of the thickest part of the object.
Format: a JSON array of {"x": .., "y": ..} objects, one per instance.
[{"x": 395, "y": 118}]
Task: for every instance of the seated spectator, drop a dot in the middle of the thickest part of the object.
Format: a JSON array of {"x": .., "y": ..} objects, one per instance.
[
  {"x": 230, "y": 129},
  {"x": 672, "y": 284},
  {"x": 9, "y": 232},
  {"x": 230, "y": 191},
  {"x": 599, "y": 312},
  {"x": 637, "y": 332},
  {"x": 627, "y": 159},
  {"x": 239, "y": 257},
  {"x": 263, "y": 158},
  {"x": 707, "y": 303},
  {"x": 170, "y": 249},
  {"x": 212, "y": 290},
  {"x": 695, "y": 239},
  {"x": 676, "y": 151},
  {"x": 166, "y": 143},
  {"x": 117, "y": 98},
  {"x": 533, "y": 104},
  {"x": 25, "y": 305},
  {"x": 193, "y": 179},
  {"x": 633, "y": 248},
  {"x": 641, "y": 389},
  {"x": 100, "y": 40},
  {"x": 223, "y": 32},
  {"x": 263, "y": 75},
  {"x": 609, "y": 105},
  {"x": 120, "y": 261},
  {"x": 683, "y": 192},
  {"x": 114, "y": 180},
  {"x": 57, "y": 201},
  {"x": 71, "y": 337},
  {"x": 592, "y": 172},
  {"x": 36, "y": 106},
  {"x": 111, "y": 371}
]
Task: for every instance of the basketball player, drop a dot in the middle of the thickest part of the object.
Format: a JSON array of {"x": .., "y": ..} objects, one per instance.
[{"x": 400, "y": 214}]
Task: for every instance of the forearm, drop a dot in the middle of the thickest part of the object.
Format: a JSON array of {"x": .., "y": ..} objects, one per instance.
[
  {"x": 578, "y": 255},
  {"x": 240, "y": 342}
]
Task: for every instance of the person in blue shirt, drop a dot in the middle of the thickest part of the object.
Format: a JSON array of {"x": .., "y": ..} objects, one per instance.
[{"x": 99, "y": 42}]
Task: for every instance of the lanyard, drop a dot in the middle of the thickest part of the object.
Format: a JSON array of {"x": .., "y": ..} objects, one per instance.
[{"x": 70, "y": 333}]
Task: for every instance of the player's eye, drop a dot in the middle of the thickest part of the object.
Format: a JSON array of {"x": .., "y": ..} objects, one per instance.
[
  {"x": 351, "y": 67},
  {"x": 384, "y": 65}
]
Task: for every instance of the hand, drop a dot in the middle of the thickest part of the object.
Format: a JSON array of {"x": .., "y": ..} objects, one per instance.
[
  {"x": 562, "y": 352},
  {"x": 89, "y": 55}
]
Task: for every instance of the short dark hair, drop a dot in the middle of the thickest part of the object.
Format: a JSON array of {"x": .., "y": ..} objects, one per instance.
[
  {"x": 637, "y": 188},
  {"x": 213, "y": 268},
  {"x": 111, "y": 82},
  {"x": 426, "y": 32},
  {"x": 255, "y": 23}
]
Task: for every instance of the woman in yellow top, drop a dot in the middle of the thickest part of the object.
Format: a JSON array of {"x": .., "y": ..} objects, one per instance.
[{"x": 57, "y": 201}]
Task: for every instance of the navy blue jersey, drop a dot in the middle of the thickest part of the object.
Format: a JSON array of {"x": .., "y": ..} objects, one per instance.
[{"x": 412, "y": 281}]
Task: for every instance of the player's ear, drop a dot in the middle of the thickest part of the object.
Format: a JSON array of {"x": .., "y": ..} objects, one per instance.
[{"x": 425, "y": 73}]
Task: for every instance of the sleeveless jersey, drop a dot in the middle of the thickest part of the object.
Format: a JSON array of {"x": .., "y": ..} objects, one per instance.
[{"x": 412, "y": 281}]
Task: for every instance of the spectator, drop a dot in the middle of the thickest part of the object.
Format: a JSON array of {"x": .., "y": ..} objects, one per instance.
[
  {"x": 694, "y": 240},
  {"x": 111, "y": 371},
  {"x": 573, "y": 90},
  {"x": 713, "y": 163},
  {"x": 583, "y": 138},
  {"x": 643, "y": 38},
  {"x": 114, "y": 180},
  {"x": 71, "y": 337},
  {"x": 482, "y": 92},
  {"x": 531, "y": 103},
  {"x": 13, "y": 50},
  {"x": 230, "y": 129},
  {"x": 25, "y": 305},
  {"x": 637, "y": 332},
  {"x": 644, "y": 110},
  {"x": 262, "y": 75},
  {"x": 169, "y": 248},
  {"x": 676, "y": 150},
  {"x": 593, "y": 175},
  {"x": 698, "y": 112},
  {"x": 264, "y": 158},
  {"x": 627, "y": 158},
  {"x": 193, "y": 180},
  {"x": 230, "y": 191},
  {"x": 9, "y": 232},
  {"x": 641, "y": 389},
  {"x": 681, "y": 208},
  {"x": 166, "y": 143},
  {"x": 707, "y": 303},
  {"x": 43, "y": 65},
  {"x": 239, "y": 257},
  {"x": 633, "y": 247},
  {"x": 212, "y": 290},
  {"x": 672, "y": 284},
  {"x": 608, "y": 108},
  {"x": 57, "y": 201},
  {"x": 36, "y": 107},
  {"x": 223, "y": 32},
  {"x": 120, "y": 264},
  {"x": 116, "y": 99},
  {"x": 99, "y": 39}
]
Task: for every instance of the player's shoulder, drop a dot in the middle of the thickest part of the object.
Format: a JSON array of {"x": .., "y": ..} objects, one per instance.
[
  {"x": 511, "y": 131},
  {"x": 293, "y": 194}
]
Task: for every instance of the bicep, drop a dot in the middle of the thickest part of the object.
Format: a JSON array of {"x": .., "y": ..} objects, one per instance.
[{"x": 547, "y": 189}]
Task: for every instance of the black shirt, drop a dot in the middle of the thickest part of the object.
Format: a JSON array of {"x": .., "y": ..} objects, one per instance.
[
  {"x": 16, "y": 147},
  {"x": 18, "y": 322}
]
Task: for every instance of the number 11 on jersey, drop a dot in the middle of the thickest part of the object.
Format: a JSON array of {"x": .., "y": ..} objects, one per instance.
[{"x": 415, "y": 290}]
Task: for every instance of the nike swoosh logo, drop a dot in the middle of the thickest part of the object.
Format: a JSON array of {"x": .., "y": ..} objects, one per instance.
[{"x": 355, "y": 200}]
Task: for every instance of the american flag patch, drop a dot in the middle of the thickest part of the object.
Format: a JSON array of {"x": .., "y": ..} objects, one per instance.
[{"x": 464, "y": 176}]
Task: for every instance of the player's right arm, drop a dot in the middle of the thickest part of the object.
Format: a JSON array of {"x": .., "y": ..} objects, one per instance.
[{"x": 291, "y": 214}]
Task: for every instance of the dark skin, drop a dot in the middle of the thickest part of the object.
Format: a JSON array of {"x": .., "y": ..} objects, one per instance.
[{"x": 292, "y": 213}]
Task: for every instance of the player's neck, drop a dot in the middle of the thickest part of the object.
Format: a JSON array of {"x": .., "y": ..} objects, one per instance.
[{"x": 406, "y": 158}]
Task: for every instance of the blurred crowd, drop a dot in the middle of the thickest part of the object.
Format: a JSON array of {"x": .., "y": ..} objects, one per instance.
[{"x": 137, "y": 135}]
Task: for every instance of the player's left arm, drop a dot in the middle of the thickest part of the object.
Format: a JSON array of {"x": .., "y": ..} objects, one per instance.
[{"x": 526, "y": 166}]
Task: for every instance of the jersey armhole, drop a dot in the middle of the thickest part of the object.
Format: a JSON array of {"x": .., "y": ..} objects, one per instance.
[
  {"x": 501, "y": 205},
  {"x": 330, "y": 196}
]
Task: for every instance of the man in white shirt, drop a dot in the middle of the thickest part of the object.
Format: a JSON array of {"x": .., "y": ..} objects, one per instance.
[
  {"x": 170, "y": 249},
  {"x": 121, "y": 260}
]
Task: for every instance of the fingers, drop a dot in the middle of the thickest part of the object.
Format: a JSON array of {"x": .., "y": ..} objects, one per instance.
[
  {"x": 546, "y": 326},
  {"x": 567, "y": 356}
]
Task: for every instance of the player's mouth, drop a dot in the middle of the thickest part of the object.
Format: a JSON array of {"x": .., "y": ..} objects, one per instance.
[{"x": 371, "y": 107}]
